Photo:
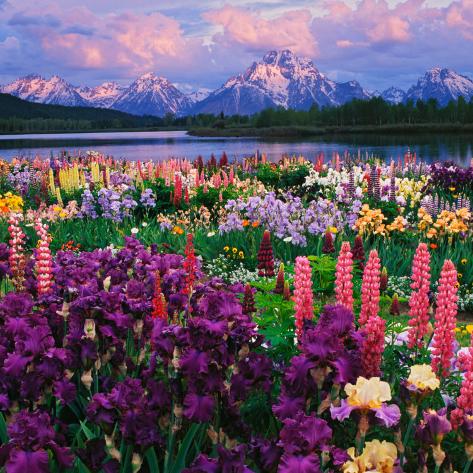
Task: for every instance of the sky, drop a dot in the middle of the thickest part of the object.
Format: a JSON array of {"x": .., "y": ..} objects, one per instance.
[{"x": 201, "y": 43}]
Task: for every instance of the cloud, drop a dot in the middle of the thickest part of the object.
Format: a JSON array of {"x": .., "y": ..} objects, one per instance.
[
  {"x": 460, "y": 18},
  {"x": 249, "y": 30},
  {"x": 128, "y": 43},
  {"x": 384, "y": 43},
  {"x": 378, "y": 42},
  {"x": 22, "y": 19}
]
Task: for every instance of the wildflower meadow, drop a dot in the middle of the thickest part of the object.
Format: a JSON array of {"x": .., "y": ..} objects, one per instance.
[{"x": 209, "y": 316}]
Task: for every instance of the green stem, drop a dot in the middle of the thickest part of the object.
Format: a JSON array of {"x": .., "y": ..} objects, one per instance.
[
  {"x": 360, "y": 445},
  {"x": 406, "y": 439},
  {"x": 467, "y": 466}
]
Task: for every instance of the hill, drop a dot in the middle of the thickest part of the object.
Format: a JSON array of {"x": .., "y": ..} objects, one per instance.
[{"x": 17, "y": 115}]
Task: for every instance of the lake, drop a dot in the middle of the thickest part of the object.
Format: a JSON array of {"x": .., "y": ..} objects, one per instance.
[{"x": 159, "y": 145}]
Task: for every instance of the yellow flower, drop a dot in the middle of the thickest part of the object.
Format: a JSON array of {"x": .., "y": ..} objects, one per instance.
[
  {"x": 368, "y": 393},
  {"x": 464, "y": 261},
  {"x": 377, "y": 457},
  {"x": 469, "y": 328},
  {"x": 333, "y": 229},
  {"x": 177, "y": 230},
  {"x": 241, "y": 254},
  {"x": 234, "y": 250},
  {"x": 422, "y": 377},
  {"x": 460, "y": 275},
  {"x": 226, "y": 248}
]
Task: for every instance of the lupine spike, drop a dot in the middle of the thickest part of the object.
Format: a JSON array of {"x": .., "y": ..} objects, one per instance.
[
  {"x": 303, "y": 296},
  {"x": 370, "y": 288},
  {"x": 445, "y": 320},
  {"x": 265, "y": 256},
  {"x": 419, "y": 299},
  {"x": 344, "y": 276}
]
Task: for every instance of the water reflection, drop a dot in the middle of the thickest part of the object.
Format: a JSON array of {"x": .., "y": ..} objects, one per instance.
[{"x": 162, "y": 145}]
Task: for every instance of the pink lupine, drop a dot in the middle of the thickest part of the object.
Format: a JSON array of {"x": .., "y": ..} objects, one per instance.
[
  {"x": 373, "y": 346},
  {"x": 445, "y": 320},
  {"x": 419, "y": 300},
  {"x": 44, "y": 260},
  {"x": 344, "y": 276},
  {"x": 303, "y": 296},
  {"x": 16, "y": 257},
  {"x": 370, "y": 288},
  {"x": 177, "y": 191},
  {"x": 465, "y": 399}
]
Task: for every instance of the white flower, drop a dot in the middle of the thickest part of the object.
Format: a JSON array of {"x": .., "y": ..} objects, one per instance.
[
  {"x": 287, "y": 239},
  {"x": 210, "y": 234},
  {"x": 134, "y": 231},
  {"x": 144, "y": 224}
]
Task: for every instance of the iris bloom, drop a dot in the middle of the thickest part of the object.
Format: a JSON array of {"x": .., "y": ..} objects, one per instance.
[
  {"x": 368, "y": 395},
  {"x": 376, "y": 457},
  {"x": 422, "y": 378}
]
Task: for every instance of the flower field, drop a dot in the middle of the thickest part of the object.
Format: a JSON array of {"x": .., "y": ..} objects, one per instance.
[{"x": 190, "y": 316}]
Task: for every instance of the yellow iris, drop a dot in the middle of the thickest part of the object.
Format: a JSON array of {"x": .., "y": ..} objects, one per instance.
[
  {"x": 422, "y": 377},
  {"x": 368, "y": 393},
  {"x": 376, "y": 457}
]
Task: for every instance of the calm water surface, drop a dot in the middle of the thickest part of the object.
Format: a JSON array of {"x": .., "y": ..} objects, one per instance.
[{"x": 159, "y": 145}]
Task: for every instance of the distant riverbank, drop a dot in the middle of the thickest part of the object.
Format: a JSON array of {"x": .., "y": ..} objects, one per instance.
[
  {"x": 93, "y": 130},
  {"x": 306, "y": 131}
]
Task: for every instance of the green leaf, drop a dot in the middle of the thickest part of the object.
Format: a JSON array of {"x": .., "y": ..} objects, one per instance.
[
  {"x": 180, "y": 461},
  {"x": 3, "y": 430},
  {"x": 152, "y": 460},
  {"x": 80, "y": 466},
  {"x": 88, "y": 433}
]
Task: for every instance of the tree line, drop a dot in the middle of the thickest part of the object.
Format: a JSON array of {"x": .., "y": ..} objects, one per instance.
[
  {"x": 373, "y": 112},
  {"x": 20, "y": 116}
]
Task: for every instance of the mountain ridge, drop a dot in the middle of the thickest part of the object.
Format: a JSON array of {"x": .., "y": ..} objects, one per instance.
[{"x": 279, "y": 79}]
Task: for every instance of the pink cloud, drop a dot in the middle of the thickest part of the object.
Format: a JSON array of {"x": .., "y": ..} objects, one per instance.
[
  {"x": 392, "y": 28},
  {"x": 345, "y": 43},
  {"x": 250, "y": 30},
  {"x": 131, "y": 42},
  {"x": 460, "y": 17}
]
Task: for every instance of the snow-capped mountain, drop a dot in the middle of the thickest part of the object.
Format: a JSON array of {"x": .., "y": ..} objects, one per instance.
[
  {"x": 394, "y": 95},
  {"x": 35, "y": 88},
  {"x": 199, "y": 95},
  {"x": 280, "y": 79},
  {"x": 152, "y": 95},
  {"x": 441, "y": 84},
  {"x": 103, "y": 95}
]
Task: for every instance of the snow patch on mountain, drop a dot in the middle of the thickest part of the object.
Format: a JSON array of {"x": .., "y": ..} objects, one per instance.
[
  {"x": 152, "y": 95},
  {"x": 35, "y": 88},
  {"x": 394, "y": 95},
  {"x": 441, "y": 84},
  {"x": 280, "y": 79}
]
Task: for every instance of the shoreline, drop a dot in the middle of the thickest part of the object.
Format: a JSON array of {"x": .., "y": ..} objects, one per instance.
[
  {"x": 95, "y": 130},
  {"x": 305, "y": 132}
]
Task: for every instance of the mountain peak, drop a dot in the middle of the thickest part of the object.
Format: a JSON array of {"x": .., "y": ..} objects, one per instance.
[
  {"x": 394, "y": 95},
  {"x": 151, "y": 77},
  {"x": 275, "y": 57},
  {"x": 441, "y": 84},
  {"x": 280, "y": 79}
]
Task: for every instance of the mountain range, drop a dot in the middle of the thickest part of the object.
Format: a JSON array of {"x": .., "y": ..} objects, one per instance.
[{"x": 280, "y": 79}]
